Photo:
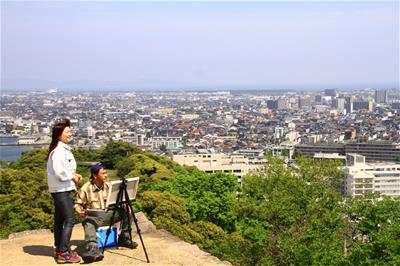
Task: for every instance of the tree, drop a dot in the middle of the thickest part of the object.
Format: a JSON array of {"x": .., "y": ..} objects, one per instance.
[
  {"x": 329, "y": 171},
  {"x": 236, "y": 249},
  {"x": 285, "y": 153},
  {"x": 116, "y": 151},
  {"x": 169, "y": 212},
  {"x": 375, "y": 227},
  {"x": 25, "y": 202},
  {"x": 163, "y": 148},
  {"x": 33, "y": 159},
  {"x": 84, "y": 155},
  {"x": 149, "y": 170},
  {"x": 211, "y": 234},
  {"x": 290, "y": 220},
  {"x": 208, "y": 197}
]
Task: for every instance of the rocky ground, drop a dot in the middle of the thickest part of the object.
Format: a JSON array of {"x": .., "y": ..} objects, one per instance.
[{"x": 36, "y": 248}]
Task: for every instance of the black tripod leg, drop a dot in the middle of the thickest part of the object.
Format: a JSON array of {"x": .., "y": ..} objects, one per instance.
[
  {"x": 129, "y": 207},
  {"x": 119, "y": 200}
]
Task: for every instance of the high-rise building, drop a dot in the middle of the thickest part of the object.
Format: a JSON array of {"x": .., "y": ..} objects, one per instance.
[
  {"x": 282, "y": 104},
  {"x": 380, "y": 96},
  {"x": 348, "y": 106},
  {"x": 304, "y": 102},
  {"x": 339, "y": 104},
  {"x": 318, "y": 98}
]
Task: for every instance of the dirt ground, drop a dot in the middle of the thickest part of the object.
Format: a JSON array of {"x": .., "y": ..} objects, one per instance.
[{"x": 36, "y": 248}]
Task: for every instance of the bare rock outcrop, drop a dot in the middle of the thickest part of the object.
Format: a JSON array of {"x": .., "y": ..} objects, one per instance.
[{"x": 36, "y": 248}]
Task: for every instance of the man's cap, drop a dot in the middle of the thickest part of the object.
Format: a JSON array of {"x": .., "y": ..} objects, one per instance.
[{"x": 94, "y": 170}]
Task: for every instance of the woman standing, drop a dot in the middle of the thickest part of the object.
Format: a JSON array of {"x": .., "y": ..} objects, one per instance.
[{"x": 61, "y": 177}]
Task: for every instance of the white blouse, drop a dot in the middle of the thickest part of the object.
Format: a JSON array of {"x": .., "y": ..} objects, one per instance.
[{"x": 61, "y": 166}]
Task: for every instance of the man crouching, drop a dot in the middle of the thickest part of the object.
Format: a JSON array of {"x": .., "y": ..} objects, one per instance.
[{"x": 93, "y": 195}]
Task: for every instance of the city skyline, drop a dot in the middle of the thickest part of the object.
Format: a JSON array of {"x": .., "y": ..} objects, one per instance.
[{"x": 199, "y": 45}]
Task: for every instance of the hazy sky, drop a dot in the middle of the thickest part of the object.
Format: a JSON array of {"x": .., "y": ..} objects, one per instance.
[{"x": 205, "y": 43}]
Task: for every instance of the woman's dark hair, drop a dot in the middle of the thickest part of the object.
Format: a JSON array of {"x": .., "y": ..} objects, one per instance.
[{"x": 58, "y": 129}]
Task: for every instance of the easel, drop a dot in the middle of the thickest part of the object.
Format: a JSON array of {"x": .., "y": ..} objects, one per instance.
[{"x": 125, "y": 204}]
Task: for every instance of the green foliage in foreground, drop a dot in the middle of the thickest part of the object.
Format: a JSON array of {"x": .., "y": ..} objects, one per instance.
[
  {"x": 290, "y": 220},
  {"x": 375, "y": 230},
  {"x": 25, "y": 202},
  {"x": 208, "y": 197},
  {"x": 280, "y": 217}
]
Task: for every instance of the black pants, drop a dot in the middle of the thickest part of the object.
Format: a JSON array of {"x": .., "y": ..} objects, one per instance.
[{"x": 63, "y": 220}]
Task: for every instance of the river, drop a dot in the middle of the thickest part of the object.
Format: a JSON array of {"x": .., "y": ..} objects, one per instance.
[{"x": 12, "y": 152}]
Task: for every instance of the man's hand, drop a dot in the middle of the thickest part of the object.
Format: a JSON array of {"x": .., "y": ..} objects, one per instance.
[{"x": 82, "y": 214}]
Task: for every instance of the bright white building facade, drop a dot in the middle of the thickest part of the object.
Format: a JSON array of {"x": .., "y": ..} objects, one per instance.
[
  {"x": 362, "y": 177},
  {"x": 218, "y": 162},
  {"x": 170, "y": 143}
]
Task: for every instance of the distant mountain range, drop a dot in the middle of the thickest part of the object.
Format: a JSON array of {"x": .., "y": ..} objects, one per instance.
[
  {"x": 156, "y": 84},
  {"x": 35, "y": 84}
]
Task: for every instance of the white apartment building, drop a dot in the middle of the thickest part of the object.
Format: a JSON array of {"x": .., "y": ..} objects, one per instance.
[
  {"x": 218, "y": 162},
  {"x": 170, "y": 143},
  {"x": 362, "y": 177}
]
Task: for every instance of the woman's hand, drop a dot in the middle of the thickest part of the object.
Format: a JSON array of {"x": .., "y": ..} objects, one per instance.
[{"x": 77, "y": 178}]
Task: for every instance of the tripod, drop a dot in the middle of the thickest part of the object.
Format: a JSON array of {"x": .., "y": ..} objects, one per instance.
[{"x": 126, "y": 205}]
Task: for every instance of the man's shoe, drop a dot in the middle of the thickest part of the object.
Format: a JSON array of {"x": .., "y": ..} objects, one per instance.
[
  {"x": 67, "y": 257},
  {"x": 124, "y": 242},
  {"x": 92, "y": 254},
  {"x": 98, "y": 255}
]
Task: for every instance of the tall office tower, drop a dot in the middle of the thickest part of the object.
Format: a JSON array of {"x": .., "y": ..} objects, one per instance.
[
  {"x": 338, "y": 104},
  {"x": 380, "y": 96},
  {"x": 348, "y": 106},
  {"x": 330, "y": 92},
  {"x": 282, "y": 104},
  {"x": 304, "y": 102}
]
